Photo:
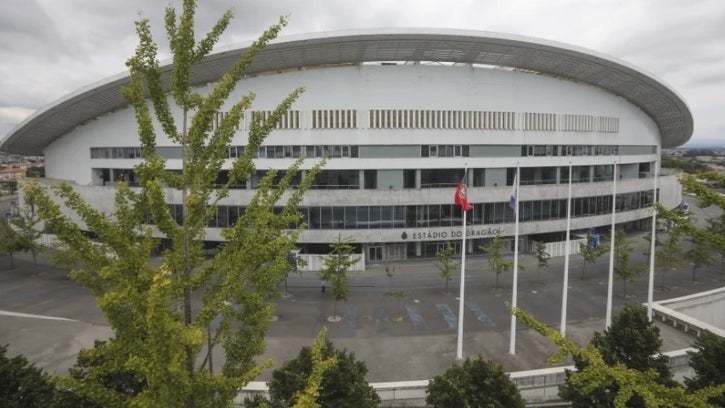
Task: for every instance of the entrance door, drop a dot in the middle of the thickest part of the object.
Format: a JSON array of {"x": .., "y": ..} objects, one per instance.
[{"x": 375, "y": 253}]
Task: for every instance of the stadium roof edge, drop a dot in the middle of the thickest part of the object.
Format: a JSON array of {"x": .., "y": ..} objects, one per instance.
[{"x": 661, "y": 102}]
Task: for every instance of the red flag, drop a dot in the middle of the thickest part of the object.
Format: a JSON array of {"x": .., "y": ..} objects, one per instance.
[{"x": 461, "y": 198}]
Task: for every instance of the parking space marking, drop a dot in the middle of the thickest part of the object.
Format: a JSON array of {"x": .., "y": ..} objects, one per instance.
[
  {"x": 381, "y": 318},
  {"x": 416, "y": 318},
  {"x": 448, "y": 315},
  {"x": 480, "y": 315},
  {"x": 350, "y": 316}
]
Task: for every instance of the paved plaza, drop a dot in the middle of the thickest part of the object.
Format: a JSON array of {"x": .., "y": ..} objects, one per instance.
[{"x": 419, "y": 346}]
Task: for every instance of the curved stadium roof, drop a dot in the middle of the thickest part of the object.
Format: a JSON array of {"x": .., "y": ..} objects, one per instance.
[{"x": 654, "y": 97}]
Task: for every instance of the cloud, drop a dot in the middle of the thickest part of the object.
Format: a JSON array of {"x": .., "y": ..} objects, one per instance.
[{"x": 10, "y": 117}]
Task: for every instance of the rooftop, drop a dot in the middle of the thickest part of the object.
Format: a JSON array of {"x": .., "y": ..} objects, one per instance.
[{"x": 666, "y": 107}]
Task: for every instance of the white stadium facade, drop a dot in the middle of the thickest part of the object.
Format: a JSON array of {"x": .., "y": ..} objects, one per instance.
[{"x": 400, "y": 113}]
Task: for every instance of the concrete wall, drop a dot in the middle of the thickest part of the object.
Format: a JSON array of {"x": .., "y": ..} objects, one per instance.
[
  {"x": 367, "y": 87},
  {"x": 537, "y": 387},
  {"x": 697, "y": 312}
]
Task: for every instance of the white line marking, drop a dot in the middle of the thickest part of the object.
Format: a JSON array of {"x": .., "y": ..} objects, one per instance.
[{"x": 33, "y": 316}]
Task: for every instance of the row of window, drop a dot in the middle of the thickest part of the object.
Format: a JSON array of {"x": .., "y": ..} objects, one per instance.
[
  {"x": 424, "y": 178},
  {"x": 438, "y": 215},
  {"x": 297, "y": 151},
  {"x": 378, "y": 151},
  {"x": 334, "y": 119},
  {"x": 439, "y": 119},
  {"x": 445, "y": 151},
  {"x": 289, "y": 120},
  {"x": 585, "y": 150}
]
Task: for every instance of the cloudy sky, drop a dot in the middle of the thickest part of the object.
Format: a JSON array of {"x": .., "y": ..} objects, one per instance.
[{"x": 49, "y": 48}]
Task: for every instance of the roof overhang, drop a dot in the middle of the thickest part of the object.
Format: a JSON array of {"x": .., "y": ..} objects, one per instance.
[{"x": 654, "y": 97}]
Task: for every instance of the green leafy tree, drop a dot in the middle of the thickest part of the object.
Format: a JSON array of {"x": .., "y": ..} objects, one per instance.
[
  {"x": 295, "y": 264},
  {"x": 26, "y": 226},
  {"x": 474, "y": 383},
  {"x": 342, "y": 384},
  {"x": 308, "y": 395},
  {"x": 631, "y": 340},
  {"x": 590, "y": 250},
  {"x": 699, "y": 254},
  {"x": 398, "y": 295},
  {"x": 707, "y": 361},
  {"x": 542, "y": 257},
  {"x": 446, "y": 264},
  {"x": 717, "y": 227},
  {"x": 623, "y": 268},
  {"x": 668, "y": 251},
  {"x": 630, "y": 386},
  {"x": 122, "y": 381},
  {"x": 158, "y": 335},
  {"x": 702, "y": 238},
  {"x": 335, "y": 271},
  {"x": 22, "y": 384},
  {"x": 9, "y": 240},
  {"x": 496, "y": 262}
]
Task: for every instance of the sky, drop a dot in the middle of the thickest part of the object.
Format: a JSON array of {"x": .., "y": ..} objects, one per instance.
[{"x": 49, "y": 48}]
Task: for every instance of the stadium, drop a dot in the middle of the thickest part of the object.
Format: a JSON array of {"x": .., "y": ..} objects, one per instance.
[{"x": 400, "y": 113}]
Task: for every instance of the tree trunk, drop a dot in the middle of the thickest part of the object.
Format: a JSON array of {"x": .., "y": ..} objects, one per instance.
[{"x": 186, "y": 272}]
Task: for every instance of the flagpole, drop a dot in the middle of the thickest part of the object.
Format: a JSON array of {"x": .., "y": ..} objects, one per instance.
[
  {"x": 567, "y": 249},
  {"x": 610, "y": 283},
  {"x": 650, "y": 287},
  {"x": 459, "y": 346},
  {"x": 514, "y": 290}
]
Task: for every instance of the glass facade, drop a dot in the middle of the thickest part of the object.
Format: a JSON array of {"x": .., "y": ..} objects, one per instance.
[{"x": 439, "y": 215}]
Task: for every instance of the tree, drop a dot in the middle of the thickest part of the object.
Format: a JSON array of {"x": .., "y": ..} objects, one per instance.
[
  {"x": 627, "y": 384},
  {"x": 342, "y": 384},
  {"x": 699, "y": 254},
  {"x": 623, "y": 268},
  {"x": 590, "y": 250},
  {"x": 446, "y": 263},
  {"x": 9, "y": 240},
  {"x": 158, "y": 335},
  {"x": 717, "y": 226},
  {"x": 631, "y": 340},
  {"x": 307, "y": 396},
  {"x": 22, "y": 384},
  {"x": 707, "y": 361},
  {"x": 335, "y": 271},
  {"x": 121, "y": 381},
  {"x": 706, "y": 197},
  {"x": 703, "y": 239},
  {"x": 495, "y": 258},
  {"x": 542, "y": 257},
  {"x": 25, "y": 224},
  {"x": 670, "y": 253},
  {"x": 474, "y": 383}
]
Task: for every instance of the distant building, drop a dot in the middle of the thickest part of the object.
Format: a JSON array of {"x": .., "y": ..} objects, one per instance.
[{"x": 400, "y": 113}]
